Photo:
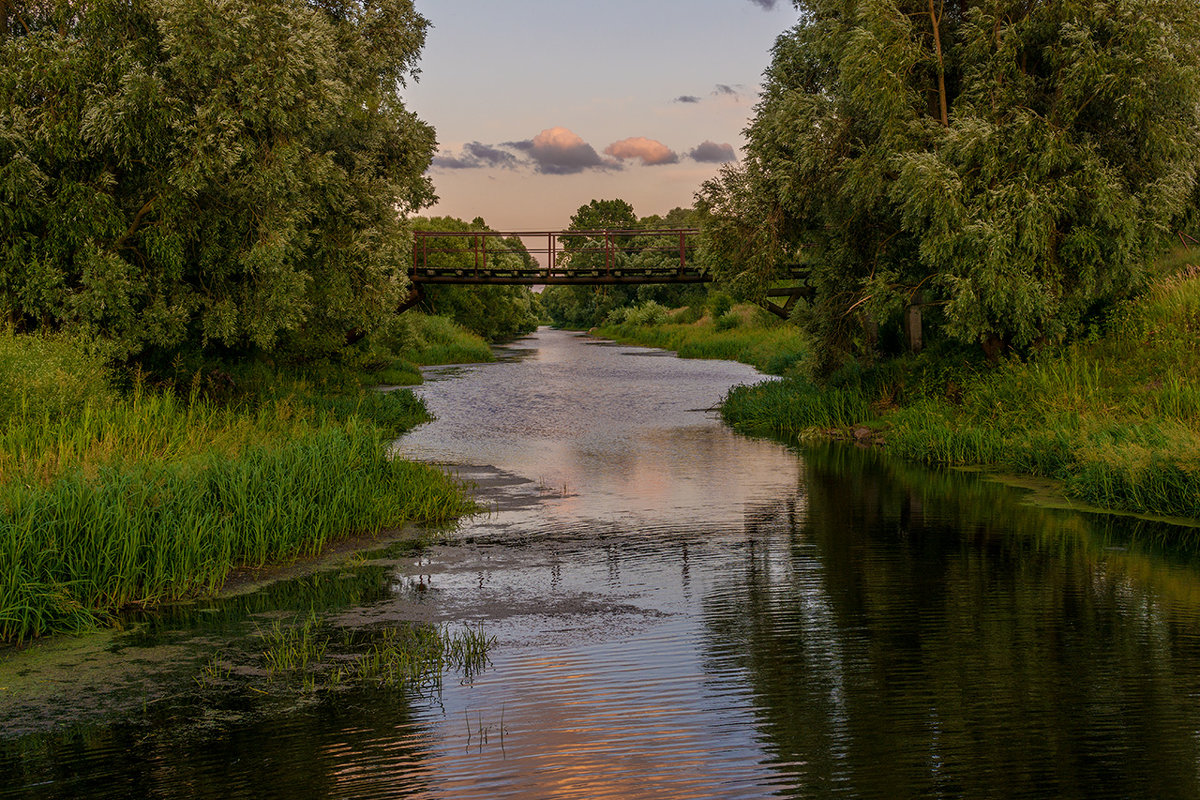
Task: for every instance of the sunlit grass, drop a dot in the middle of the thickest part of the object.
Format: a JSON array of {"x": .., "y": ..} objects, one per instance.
[
  {"x": 1115, "y": 419},
  {"x": 113, "y": 501},
  {"x": 743, "y": 334}
]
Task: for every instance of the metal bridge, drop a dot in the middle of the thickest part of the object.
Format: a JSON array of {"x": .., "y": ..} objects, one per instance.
[
  {"x": 610, "y": 256},
  {"x": 580, "y": 258}
]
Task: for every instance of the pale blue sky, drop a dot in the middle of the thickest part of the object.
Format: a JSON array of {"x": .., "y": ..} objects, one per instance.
[{"x": 495, "y": 75}]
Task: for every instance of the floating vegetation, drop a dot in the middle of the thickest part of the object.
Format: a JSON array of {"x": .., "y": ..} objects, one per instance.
[{"x": 310, "y": 656}]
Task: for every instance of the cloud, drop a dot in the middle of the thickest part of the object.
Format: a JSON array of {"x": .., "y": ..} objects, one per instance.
[
  {"x": 727, "y": 90},
  {"x": 650, "y": 151},
  {"x": 709, "y": 152},
  {"x": 765, "y": 5},
  {"x": 558, "y": 151},
  {"x": 686, "y": 98},
  {"x": 475, "y": 155},
  {"x": 554, "y": 151}
]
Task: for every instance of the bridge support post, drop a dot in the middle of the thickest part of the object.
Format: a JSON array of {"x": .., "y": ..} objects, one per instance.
[
  {"x": 792, "y": 293},
  {"x": 415, "y": 295}
]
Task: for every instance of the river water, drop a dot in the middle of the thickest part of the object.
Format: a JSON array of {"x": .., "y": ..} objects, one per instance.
[{"x": 678, "y": 612}]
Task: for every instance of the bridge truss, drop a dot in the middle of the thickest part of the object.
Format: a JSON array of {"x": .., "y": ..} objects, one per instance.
[{"x": 570, "y": 257}]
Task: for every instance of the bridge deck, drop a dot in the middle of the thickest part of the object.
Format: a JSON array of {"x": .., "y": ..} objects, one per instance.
[
  {"x": 572, "y": 258},
  {"x": 586, "y": 258}
]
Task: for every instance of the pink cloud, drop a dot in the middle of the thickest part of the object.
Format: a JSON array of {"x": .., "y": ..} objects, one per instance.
[
  {"x": 559, "y": 151},
  {"x": 650, "y": 151}
]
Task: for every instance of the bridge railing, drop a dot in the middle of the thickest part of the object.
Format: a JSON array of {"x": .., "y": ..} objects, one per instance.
[{"x": 627, "y": 255}]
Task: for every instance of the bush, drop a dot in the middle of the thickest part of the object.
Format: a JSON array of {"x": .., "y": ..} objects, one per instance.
[
  {"x": 728, "y": 321},
  {"x": 47, "y": 376},
  {"x": 719, "y": 304}
]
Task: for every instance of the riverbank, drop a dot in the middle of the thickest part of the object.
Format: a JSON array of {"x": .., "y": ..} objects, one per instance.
[
  {"x": 111, "y": 499},
  {"x": 1114, "y": 420},
  {"x": 743, "y": 333}
]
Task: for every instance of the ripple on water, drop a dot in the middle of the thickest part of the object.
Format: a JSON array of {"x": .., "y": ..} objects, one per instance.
[{"x": 681, "y": 612}]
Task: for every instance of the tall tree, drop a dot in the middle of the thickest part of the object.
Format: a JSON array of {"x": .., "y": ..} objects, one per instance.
[
  {"x": 227, "y": 173},
  {"x": 1014, "y": 163}
]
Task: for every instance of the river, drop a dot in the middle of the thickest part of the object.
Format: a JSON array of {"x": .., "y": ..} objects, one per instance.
[{"x": 678, "y": 612}]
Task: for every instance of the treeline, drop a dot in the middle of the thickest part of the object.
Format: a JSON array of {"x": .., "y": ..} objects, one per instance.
[
  {"x": 1012, "y": 169},
  {"x": 495, "y": 313},
  {"x": 200, "y": 177},
  {"x": 584, "y": 307}
]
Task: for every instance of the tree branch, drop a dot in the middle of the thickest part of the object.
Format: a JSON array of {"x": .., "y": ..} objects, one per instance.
[
  {"x": 936, "y": 19},
  {"x": 133, "y": 226}
]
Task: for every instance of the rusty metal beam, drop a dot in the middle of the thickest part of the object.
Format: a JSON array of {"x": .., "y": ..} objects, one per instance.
[{"x": 435, "y": 254}]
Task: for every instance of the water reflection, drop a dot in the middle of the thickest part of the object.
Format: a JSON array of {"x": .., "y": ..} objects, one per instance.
[
  {"x": 924, "y": 636},
  {"x": 681, "y": 612}
]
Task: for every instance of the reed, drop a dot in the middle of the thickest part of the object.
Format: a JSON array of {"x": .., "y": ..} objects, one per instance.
[
  {"x": 129, "y": 501},
  {"x": 81, "y": 546},
  {"x": 1115, "y": 419},
  {"x": 406, "y": 655}
]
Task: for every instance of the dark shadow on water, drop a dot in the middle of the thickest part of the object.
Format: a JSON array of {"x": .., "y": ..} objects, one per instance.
[{"x": 919, "y": 634}]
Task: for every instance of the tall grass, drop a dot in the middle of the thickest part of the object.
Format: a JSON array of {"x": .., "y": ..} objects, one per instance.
[
  {"x": 78, "y": 546},
  {"x": 52, "y": 375},
  {"x": 117, "y": 501},
  {"x": 1115, "y": 419}
]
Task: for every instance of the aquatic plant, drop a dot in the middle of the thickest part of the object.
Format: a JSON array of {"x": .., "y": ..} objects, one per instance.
[
  {"x": 119, "y": 502},
  {"x": 317, "y": 657}
]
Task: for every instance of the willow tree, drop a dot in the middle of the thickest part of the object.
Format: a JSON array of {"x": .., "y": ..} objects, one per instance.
[
  {"x": 221, "y": 173},
  {"x": 1012, "y": 163}
]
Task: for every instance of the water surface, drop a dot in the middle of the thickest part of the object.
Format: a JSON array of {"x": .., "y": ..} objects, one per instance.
[{"x": 679, "y": 612}]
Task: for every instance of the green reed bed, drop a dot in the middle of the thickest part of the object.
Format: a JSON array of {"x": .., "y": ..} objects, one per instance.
[
  {"x": 314, "y": 656},
  {"x": 121, "y": 501},
  {"x": 1116, "y": 420},
  {"x": 83, "y": 545}
]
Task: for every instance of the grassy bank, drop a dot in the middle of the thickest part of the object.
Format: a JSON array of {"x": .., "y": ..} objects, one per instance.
[
  {"x": 743, "y": 333},
  {"x": 1115, "y": 419},
  {"x": 414, "y": 341},
  {"x": 109, "y": 500}
]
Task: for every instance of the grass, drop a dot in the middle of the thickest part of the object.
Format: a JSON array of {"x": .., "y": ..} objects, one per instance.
[
  {"x": 423, "y": 339},
  {"x": 1115, "y": 419},
  {"x": 111, "y": 501},
  {"x": 744, "y": 333},
  {"x": 309, "y": 655}
]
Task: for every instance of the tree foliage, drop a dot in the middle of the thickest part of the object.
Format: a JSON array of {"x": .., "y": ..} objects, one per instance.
[
  {"x": 497, "y": 312},
  {"x": 1012, "y": 163},
  {"x": 225, "y": 173},
  {"x": 588, "y": 306}
]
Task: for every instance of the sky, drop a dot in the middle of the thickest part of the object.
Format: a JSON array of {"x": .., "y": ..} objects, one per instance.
[{"x": 542, "y": 106}]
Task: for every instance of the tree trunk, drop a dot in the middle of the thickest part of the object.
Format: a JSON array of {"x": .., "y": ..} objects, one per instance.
[{"x": 936, "y": 20}]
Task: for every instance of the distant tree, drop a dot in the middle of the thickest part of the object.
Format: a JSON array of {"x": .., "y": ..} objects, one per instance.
[
  {"x": 496, "y": 313},
  {"x": 210, "y": 173},
  {"x": 1014, "y": 163},
  {"x": 587, "y": 306}
]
